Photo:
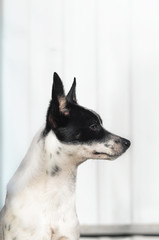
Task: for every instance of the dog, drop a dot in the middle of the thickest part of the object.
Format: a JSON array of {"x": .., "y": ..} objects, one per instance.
[{"x": 40, "y": 201}]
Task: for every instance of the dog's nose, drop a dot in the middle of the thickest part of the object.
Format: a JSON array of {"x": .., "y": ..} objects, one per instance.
[{"x": 126, "y": 142}]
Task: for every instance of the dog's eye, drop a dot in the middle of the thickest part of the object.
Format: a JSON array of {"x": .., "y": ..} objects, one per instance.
[{"x": 94, "y": 127}]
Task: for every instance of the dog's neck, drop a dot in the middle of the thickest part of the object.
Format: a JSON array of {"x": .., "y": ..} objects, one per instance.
[
  {"x": 47, "y": 161},
  {"x": 60, "y": 164}
]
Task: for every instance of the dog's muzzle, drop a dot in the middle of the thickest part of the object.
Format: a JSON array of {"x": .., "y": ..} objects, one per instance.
[
  {"x": 112, "y": 148},
  {"x": 125, "y": 142}
]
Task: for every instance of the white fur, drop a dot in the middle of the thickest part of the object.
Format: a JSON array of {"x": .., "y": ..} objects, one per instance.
[{"x": 40, "y": 204}]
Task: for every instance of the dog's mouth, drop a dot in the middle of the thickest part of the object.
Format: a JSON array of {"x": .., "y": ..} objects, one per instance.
[{"x": 106, "y": 154}]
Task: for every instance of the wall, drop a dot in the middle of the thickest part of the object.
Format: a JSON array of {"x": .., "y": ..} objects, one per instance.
[{"x": 112, "y": 49}]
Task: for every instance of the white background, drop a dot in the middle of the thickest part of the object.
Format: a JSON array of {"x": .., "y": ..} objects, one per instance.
[{"x": 112, "y": 47}]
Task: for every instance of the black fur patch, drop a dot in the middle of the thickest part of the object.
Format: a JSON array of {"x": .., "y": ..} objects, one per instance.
[
  {"x": 72, "y": 123},
  {"x": 9, "y": 227},
  {"x": 78, "y": 127},
  {"x": 70, "y": 154},
  {"x": 55, "y": 170}
]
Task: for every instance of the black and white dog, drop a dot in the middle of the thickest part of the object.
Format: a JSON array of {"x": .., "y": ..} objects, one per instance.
[{"x": 40, "y": 202}]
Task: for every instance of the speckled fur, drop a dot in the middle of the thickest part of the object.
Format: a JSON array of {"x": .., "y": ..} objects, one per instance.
[
  {"x": 37, "y": 203},
  {"x": 40, "y": 205},
  {"x": 40, "y": 201}
]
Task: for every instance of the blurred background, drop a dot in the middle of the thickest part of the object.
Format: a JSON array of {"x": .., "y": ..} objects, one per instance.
[{"x": 112, "y": 48}]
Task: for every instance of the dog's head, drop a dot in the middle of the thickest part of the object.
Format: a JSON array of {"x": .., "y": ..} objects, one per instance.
[{"x": 79, "y": 127}]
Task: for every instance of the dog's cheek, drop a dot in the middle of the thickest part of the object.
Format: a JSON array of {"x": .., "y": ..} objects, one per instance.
[{"x": 87, "y": 152}]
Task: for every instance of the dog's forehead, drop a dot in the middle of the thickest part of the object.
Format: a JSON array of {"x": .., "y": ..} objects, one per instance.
[
  {"x": 97, "y": 116},
  {"x": 81, "y": 112}
]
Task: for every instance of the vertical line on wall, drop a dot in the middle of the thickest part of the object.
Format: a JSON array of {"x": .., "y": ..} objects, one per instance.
[
  {"x": 63, "y": 39},
  {"x": 97, "y": 101},
  {"x": 1, "y": 98},
  {"x": 29, "y": 68},
  {"x": 131, "y": 107}
]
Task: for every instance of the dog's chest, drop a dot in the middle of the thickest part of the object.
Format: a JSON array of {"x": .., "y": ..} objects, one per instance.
[
  {"x": 52, "y": 211},
  {"x": 41, "y": 196}
]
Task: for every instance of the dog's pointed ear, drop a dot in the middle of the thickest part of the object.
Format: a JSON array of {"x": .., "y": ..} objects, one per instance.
[
  {"x": 58, "y": 95},
  {"x": 57, "y": 88},
  {"x": 58, "y": 112},
  {"x": 71, "y": 96}
]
